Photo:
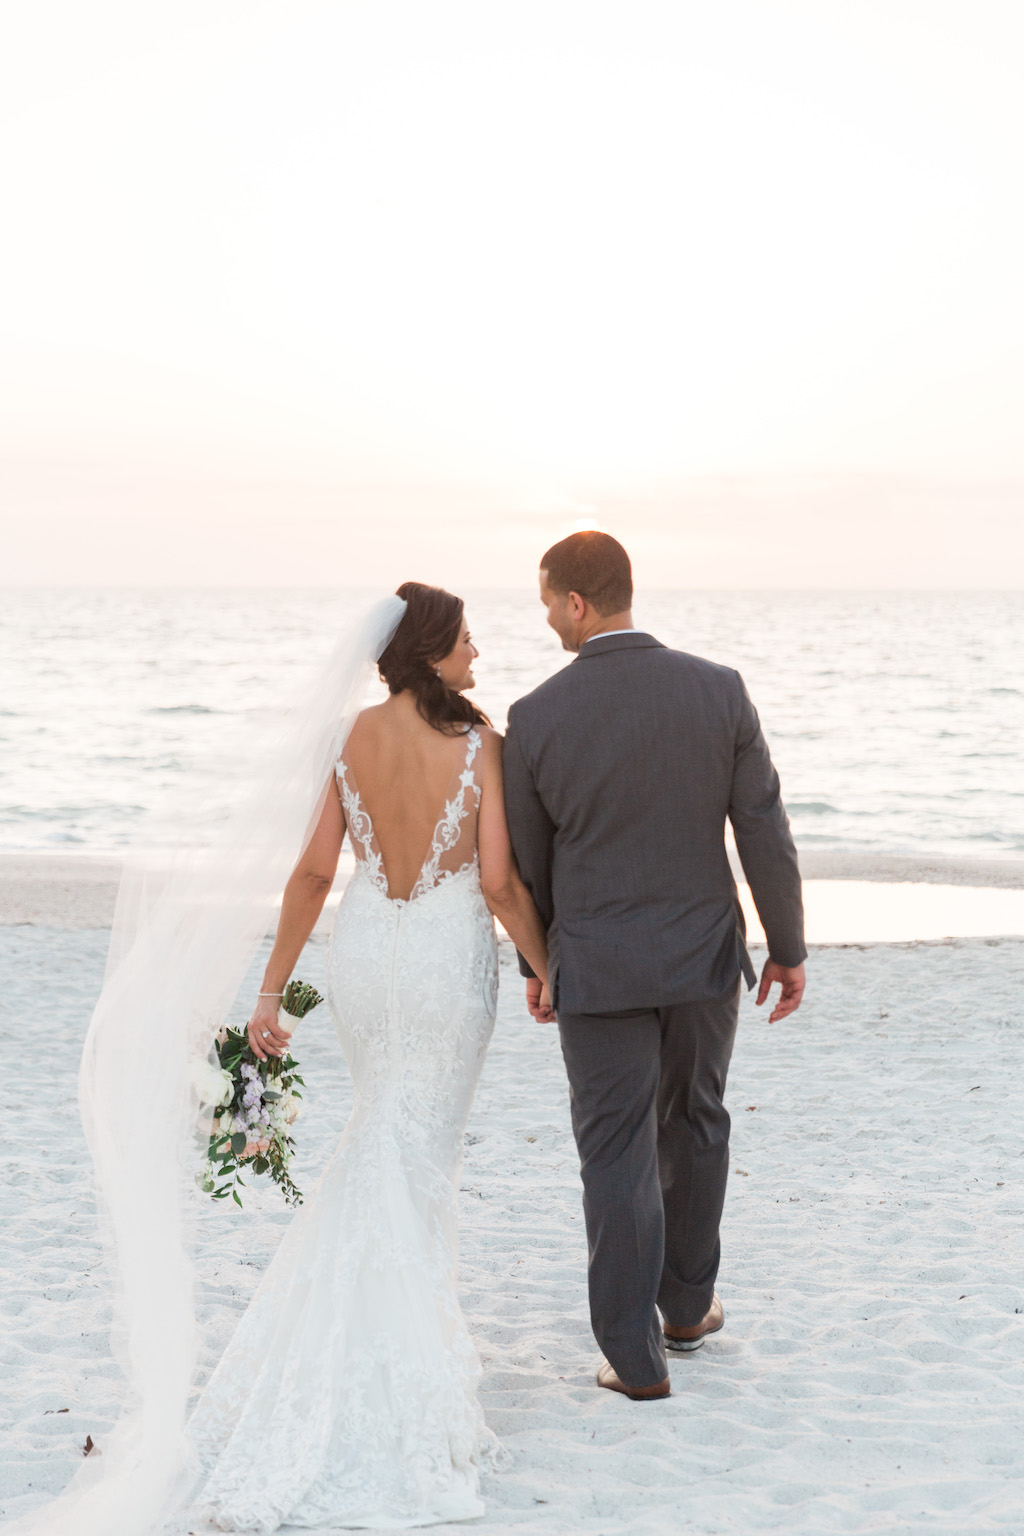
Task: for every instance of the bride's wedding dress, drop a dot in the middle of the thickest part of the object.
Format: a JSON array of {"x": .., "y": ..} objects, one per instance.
[{"x": 347, "y": 1396}]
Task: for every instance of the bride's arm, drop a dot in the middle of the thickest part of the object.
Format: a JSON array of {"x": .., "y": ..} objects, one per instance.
[
  {"x": 504, "y": 891},
  {"x": 304, "y": 898}
]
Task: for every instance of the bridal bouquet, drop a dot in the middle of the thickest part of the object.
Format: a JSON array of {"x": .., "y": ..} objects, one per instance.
[{"x": 256, "y": 1103}]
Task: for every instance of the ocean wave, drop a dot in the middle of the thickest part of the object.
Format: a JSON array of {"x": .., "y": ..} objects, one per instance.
[
  {"x": 183, "y": 709},
  {"x": 888, "y": 716}
]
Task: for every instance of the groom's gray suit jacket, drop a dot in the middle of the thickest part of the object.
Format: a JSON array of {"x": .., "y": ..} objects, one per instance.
[{"x": 620, "y": 772}]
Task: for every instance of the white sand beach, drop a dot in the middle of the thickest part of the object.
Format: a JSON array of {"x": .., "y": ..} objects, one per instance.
[{"x": 870, "y": 1374}]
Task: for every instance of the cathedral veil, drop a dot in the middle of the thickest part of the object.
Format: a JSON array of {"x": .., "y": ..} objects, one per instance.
[{"x": 184, "y": 936}]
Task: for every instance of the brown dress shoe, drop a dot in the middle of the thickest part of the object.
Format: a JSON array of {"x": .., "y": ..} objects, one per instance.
[
  {"x": 684, "y": 1340},
  {"x": 606, "y": 1377}
]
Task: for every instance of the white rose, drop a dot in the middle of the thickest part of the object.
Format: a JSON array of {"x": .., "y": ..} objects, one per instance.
[
  {"x": 213, "y": 1084},
  {"x": 290, "y": 1108}
]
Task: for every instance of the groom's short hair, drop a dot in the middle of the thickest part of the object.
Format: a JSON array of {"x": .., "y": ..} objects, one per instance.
[{"x": 593, "y": 564}]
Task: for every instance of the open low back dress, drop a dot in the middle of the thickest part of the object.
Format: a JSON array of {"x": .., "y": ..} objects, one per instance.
[{"x": 347, "y": 1395}]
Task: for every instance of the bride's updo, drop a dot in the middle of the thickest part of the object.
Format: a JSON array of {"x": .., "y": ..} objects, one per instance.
[{"x": 429, "y": 629}]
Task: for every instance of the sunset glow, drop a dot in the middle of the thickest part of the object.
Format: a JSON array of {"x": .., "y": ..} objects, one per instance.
[{"x": 739, "y": 283}]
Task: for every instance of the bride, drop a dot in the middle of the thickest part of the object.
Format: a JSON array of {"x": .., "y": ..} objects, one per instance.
[{"x": 347, "y": 1395}]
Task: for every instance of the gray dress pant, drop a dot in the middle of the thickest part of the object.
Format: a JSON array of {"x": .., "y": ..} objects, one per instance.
[{"x": 646, "y": 1091}]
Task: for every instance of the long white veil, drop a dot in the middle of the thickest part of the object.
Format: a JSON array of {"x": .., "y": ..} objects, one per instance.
[{"x": 183, "y": 939}]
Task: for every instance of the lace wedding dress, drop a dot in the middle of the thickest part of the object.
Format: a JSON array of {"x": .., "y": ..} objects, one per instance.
[{"x": 347, "y": 1396}]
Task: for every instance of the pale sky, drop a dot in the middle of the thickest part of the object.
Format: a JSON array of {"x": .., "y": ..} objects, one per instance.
[{"x": 354, "y": 292}]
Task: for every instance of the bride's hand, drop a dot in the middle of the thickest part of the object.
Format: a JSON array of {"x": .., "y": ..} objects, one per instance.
[
  {"x": 266, "y": 1035},
  {"x": 538, "y": 1000}
]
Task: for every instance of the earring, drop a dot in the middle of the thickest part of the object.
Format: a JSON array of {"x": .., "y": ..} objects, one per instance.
[{"x": 438, "y": 671}]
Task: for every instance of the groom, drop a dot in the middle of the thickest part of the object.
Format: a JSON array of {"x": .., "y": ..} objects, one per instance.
[{"x": 620, "y": 772}]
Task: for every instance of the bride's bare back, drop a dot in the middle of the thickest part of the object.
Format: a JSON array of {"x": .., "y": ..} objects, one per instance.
[
  {"x": 419, "y": 806},
  {"x": 405, "y": 773}
]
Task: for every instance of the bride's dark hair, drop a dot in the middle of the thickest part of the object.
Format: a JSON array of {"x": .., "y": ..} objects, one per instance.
[{"x": 429, "y": 629}]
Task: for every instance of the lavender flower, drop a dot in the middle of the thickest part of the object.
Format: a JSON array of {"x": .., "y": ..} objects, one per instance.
[{"x": 259, "y": 1102}]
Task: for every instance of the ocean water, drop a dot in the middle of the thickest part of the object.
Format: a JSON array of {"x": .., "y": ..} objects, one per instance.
[{"x": 896, "y": 719}]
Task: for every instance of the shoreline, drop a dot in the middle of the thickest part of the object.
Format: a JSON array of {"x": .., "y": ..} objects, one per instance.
[
  {"x": 66, "y": 890},
  {"x": 909, "y": 868}
]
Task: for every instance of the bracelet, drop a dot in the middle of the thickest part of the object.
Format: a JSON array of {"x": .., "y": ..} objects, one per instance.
[{"x": 270, "y": 994}]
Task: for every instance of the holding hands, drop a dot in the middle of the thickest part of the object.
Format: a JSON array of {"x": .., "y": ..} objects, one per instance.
[{"x": 538, "y": 1001}]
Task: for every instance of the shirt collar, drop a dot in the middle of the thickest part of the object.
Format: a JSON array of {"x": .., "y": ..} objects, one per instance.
[{"x": 622, "y": 640}]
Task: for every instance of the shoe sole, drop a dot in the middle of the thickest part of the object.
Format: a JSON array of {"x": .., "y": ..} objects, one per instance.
[
  {"x": 657, "y": 1397},
  {"x": 687, "y": 1346},
  {"x": 635, "y": 1397}
]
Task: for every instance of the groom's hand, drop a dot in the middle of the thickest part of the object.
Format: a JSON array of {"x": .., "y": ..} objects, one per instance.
[
  {"x": 538, "y": 1001},
  {"x": 792, "y": 980}
]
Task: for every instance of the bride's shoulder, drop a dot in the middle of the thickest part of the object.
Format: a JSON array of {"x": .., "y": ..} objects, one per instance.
[
  {"x": 368, "y": 720},
  {"x": 490, "y": 744},
  {"x": 364, "y": 739}
]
